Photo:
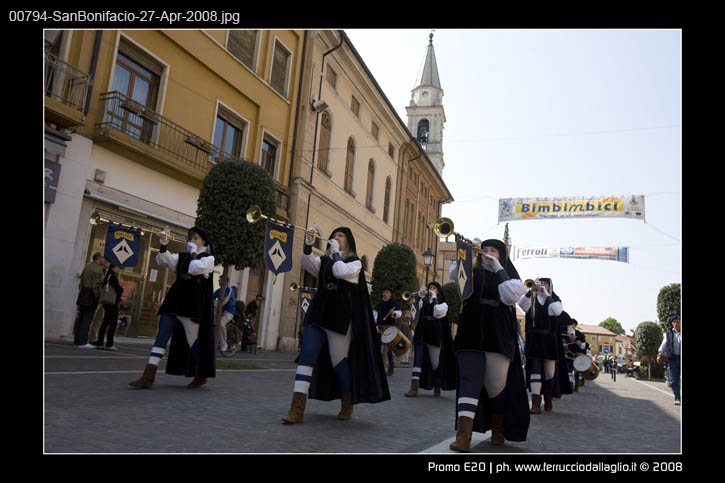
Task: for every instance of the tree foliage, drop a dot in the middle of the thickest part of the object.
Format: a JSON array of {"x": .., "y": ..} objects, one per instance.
[
  {"x": 668, "y": 304},
  {"x": 394, "y": 265},
  {"x": 229, "y": 189},
  {"x": 647, "y": 339},
  {"x": 612, "y": 325},
  {"x": 453, "y": 299}
]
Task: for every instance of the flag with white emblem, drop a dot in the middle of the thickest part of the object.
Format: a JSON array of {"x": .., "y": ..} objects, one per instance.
[
  {"x": 465, "y": 268},
  {"x": 122, "y": 246},
  {"x": 278, "y": 247},
  {"x": 306, "y": 295}
]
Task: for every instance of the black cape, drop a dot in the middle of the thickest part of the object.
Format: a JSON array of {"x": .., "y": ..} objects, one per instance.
[
  {"x": 180, "y": 361},
  {"x": 369, "y": 380},
  {"x": 447, "y": 358}
]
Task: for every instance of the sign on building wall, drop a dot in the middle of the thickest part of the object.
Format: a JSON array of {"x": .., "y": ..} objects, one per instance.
[{"x": 624, "y": 206}]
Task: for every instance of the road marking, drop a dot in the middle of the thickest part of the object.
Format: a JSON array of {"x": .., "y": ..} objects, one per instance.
[{"x": 656, "y": 388}]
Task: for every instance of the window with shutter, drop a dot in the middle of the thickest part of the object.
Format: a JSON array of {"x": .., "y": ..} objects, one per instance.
[
  {"x": 350, "y": 159},
  {"x": 355, "y": 106},
  {"x": 386, "y": 204},
  {"x": 331, "y": 77},
  {"x": 374, "y": 129},
  {"x": 391, "y": 150},
  {"x": 371, "y": 184},
  {"x": 324, "y": 152},
  {"x": 242, "y": 44},
  {"x": 268, "y": 156},
  {"x": 280, "y": 61}
]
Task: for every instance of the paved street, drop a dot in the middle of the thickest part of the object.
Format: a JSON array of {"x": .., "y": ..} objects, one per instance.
[{"x": 90, "y": 408}]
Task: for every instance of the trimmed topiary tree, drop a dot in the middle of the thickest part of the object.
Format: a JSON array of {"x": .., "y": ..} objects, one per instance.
[
  {"x": 394, "y": 265},
  {"x": 647, "y": 339},
  {"x": 453, "y": 299},
  {"x": 668, "y": 304},
  {"x": 228, "y": 190}
]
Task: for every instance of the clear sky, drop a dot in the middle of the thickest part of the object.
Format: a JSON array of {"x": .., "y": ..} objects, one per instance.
[{"x": 541, "y": 113}]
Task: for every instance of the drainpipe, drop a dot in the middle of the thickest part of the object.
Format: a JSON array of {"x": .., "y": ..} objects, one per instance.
[
  {"x": 317, "y": 118},
  {"x": 92, "y": 73},
  {"x": 297, "y": 118}
]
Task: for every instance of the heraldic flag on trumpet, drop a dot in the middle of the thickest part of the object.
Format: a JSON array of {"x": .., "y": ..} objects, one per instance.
[
  {"x": 465, "y": 268},
  {"x": 122, "y": 246},
  {"x": 306, "y": 296},
  {"x": 278, "y": 241}
]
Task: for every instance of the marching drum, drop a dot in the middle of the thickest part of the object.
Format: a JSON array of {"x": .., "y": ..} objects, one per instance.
[
  {"x": 584, "y": 364},
  {"x": 395, "y": 340}
]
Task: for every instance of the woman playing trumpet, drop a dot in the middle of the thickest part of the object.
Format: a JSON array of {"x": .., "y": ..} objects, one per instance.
[
  {"x": 491, "y": 391},
  {"x": 341, "y": 357},
  {"x": 434, "y": 365}
]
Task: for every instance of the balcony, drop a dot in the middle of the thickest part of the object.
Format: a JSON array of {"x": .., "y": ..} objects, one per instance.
[
  {"x": 136, "y": 131},
  {"x": 66, "y": 88}
]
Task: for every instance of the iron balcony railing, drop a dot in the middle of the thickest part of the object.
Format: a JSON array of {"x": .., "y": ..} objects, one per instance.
[
  {"x": 144, "y": 124},
  {"x": 65, "y": 83}
]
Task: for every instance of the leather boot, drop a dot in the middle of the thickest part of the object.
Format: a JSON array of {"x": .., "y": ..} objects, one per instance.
[
  {"x": 297, "y": 410},
  {"x": 547, "y": 400},
  {"x": 436, "y": 386},
  {"x": 197, "y": 381},
  {"x": 462, "y": 444},
  {"x": 574, "y": 387},
  {"x": 147, "y": 378},
  {"x": 535, "y": 404},
  {"x": 414, "y": 385},
  {"x": 346, "y": 406},
  {"x": 497, "y": 437},
  {"x": 391, "y": 368}
]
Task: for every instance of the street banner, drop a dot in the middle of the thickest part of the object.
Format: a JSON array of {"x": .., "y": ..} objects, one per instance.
[
  {"x": 278, "y": 241},
  {"x": 464, "y": 255},
  {"x": 617, "y": 254},
  {"x": 625, "y": 206},
  {"x": 122, "y": 246},
  {"x": 306, "y": 296}
]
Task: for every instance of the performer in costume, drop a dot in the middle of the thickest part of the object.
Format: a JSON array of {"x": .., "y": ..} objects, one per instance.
[
  {"x": 341, "y": 355},
  {"x": 491, "y": 392},
  {"x": 566, "y": 355},
  {"x": 543, "y": 345},
  {"x": 186, "y": 316},
  {"x": 386, "y": 312},
  {"x": 434, "y": 364}
]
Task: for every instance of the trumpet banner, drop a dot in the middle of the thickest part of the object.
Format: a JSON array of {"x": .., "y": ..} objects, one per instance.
[
  {"x": 305, "y": 301},
  {"x": 617, "y": 254},
  {"x": 278, "y": 241},
  {"x": 623, "y": 206},
  {"x": 414, "y": 313},
  {"x": 464, "y": 275},
  {"x": 122, "y": 246}
]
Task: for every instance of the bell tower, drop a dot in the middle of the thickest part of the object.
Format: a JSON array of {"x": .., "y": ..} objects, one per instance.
[{"x": 426, "y": 116}]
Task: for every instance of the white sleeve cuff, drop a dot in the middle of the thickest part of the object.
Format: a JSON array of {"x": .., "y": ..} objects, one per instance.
[
  {"x": 202, "y": 266},
  {"x": 440, "y": 310},
  {"x": 556, "y": 309},
  {"x": 167, "y": 259},
  {"x": 511, "y": 291}
]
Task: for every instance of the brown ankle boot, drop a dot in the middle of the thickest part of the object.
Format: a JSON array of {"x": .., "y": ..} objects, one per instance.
[
  {"x": 436, "y": 387},
  {"x": 547, "y": 400},
  {"x": 346, "y": 406},
  {"x": 147, "y": 378},
  {"x": 391, "y": 368},
  {"x": 197, "y": 381},
  {"x": 414, "y": 385},
  {"x": 574, "y": 387},
  {"x": 297, "y": 410},
  {"x": 462, "y": 443},
  {"x": 535, "y": 404},
  {"x": 497, "y": 437}
]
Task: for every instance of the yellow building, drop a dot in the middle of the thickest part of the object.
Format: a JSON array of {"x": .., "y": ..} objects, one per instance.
[
  {"x": 599, "y": 338},
  {"x": 134, "y": 145}
]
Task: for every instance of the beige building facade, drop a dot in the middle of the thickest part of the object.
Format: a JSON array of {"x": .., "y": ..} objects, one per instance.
[{"x": 133, "y": 146}]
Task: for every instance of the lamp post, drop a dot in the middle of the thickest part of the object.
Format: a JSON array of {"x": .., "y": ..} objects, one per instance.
[{"x": 427, "y": 260}]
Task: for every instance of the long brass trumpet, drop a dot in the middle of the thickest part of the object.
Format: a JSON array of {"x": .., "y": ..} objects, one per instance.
[
  {"x": 443, "y": 228},
  {"x": 293, "y": 287},
  {"x": 421, "y": 293},
  {"x": 254, "y": 214},
  {"x": 529, "y": 284}
]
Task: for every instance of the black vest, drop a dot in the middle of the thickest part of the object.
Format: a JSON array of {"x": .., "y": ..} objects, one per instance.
[
  {"x": 189, "y": 296},
  {"x": 331, "y": 307}
]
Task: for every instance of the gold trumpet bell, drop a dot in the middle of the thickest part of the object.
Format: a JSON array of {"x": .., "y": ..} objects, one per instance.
[
  {"x": 254, "y": 214},
  {"x": 529, "y": 284},
  {"x": 293, "y": 286},
  {"x": 443, "y": 227}
]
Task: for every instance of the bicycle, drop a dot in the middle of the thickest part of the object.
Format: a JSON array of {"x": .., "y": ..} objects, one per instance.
[{"x": 234, "y": 338}]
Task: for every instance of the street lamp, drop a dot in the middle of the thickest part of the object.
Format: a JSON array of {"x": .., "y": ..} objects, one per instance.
[{"x": 427, "y": 260}]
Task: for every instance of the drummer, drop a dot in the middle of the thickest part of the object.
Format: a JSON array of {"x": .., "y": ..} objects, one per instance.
[
  {"x": 434, "y": 365},
  {"x": 386, "y": 312},
  {"x": 580, "y": 346}
]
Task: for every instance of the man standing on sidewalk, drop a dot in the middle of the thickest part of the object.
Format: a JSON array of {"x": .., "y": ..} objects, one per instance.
[
  {"x": 90, "y": 291},
  {"x": 669, "y": 351}
]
